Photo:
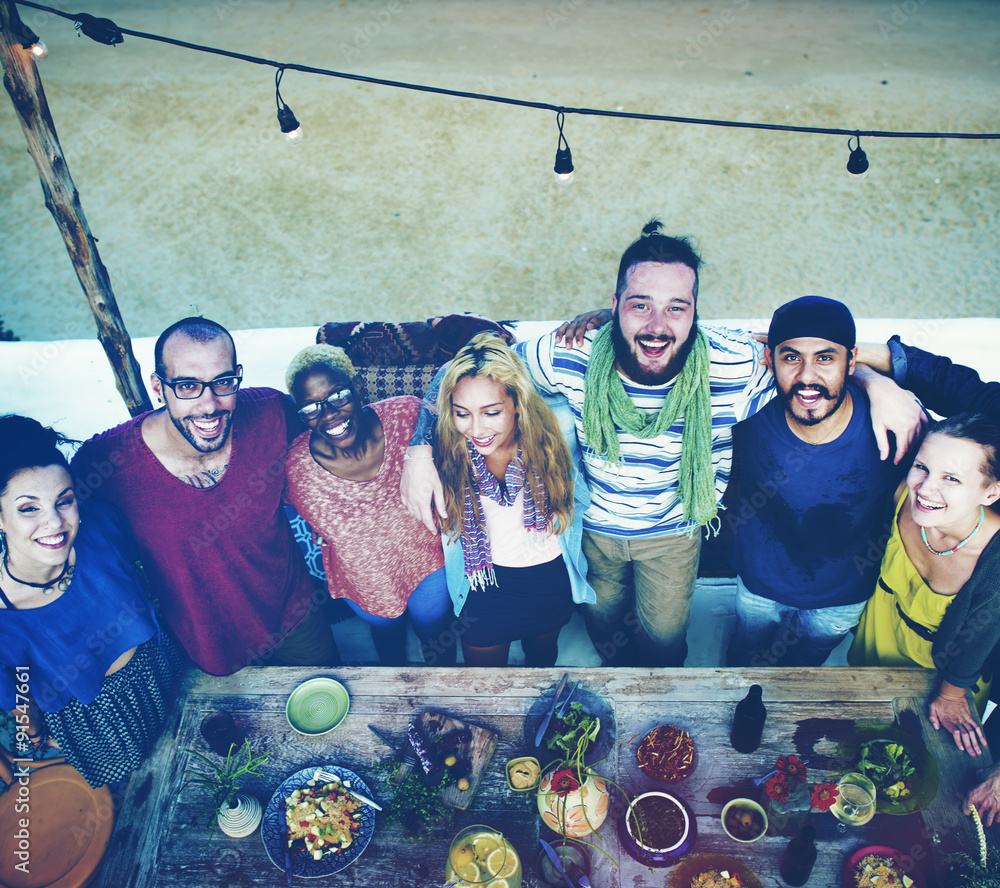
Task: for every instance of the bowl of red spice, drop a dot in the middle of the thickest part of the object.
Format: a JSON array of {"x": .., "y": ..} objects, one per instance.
[{"x": 667, "y": 753}]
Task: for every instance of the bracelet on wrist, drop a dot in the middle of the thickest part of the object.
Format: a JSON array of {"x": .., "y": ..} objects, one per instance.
[{"x": 946, "y": 697}]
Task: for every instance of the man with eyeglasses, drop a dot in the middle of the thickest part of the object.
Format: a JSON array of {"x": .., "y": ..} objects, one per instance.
[{"x": 200, "y": 480}]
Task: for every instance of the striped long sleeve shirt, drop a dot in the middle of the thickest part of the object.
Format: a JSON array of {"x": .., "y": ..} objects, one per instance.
[{"x": 638, "y": 498}]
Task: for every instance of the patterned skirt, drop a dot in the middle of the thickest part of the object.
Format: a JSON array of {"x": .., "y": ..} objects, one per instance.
[{"x": 108, "y": 738}]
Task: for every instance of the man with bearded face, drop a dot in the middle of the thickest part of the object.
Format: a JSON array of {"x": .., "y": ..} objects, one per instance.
[
  {"x": 654, "y": 397},
  {"x": 815, "y": 498},
  {"x": 200, "y": 481}
]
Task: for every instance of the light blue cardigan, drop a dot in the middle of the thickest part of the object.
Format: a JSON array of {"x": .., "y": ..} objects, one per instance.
[{"x": 571, "y": 542}]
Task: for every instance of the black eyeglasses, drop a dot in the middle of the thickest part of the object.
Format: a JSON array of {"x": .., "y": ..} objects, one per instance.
[
  {"x": 335, "y": 400},
  {"x": 189, "y": 389}
]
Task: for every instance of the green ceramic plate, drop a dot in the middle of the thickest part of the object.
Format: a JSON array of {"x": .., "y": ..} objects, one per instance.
[{"x": 317, "y": 706}]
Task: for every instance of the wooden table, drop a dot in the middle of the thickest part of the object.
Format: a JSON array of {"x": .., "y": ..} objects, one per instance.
[{"x": 158, "y": 841}]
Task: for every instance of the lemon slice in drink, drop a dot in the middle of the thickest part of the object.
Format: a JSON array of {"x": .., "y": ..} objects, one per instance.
[
  {"x": 486, "y": 844},
  {"x": 503, "y": 862},
  {"x": 468, "y": 872}
]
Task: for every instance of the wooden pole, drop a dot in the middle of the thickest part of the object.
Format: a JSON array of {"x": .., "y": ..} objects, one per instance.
[{"x": 22, "y": 82}]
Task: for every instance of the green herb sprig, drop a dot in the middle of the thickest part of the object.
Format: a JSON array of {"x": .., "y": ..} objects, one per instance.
[
  {"x": 223, "y": 782},
  {"x": 414, "y": 804}
]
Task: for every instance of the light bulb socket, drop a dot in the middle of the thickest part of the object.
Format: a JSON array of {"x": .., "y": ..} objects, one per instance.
[
  {"x": 564, "y": 162},
  {"x": 101, "y": 30},
  {"x": 857, "y": 163},
  {"x": 286, "y": 119}
]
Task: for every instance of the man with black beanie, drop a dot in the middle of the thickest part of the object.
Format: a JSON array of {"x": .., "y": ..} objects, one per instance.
[{"x": 815, "y": 498}]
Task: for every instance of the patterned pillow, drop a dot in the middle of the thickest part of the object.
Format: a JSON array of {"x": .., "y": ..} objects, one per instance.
[
  {"x": 375, "y": 343},
  {"x": 378, "y": 383},
  {"x": 382, "y": 344}
]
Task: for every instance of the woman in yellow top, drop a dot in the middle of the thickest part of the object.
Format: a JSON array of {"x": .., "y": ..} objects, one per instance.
[{"x": 937, "y": 603}]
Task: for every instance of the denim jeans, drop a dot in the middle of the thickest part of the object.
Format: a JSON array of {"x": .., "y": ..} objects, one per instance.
[
  {"x": 429, "y": 607},
  {"x": 644, "y": 589},
  {"x": 769, "y": 633}
]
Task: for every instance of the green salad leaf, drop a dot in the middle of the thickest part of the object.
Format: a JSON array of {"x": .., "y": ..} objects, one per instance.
[{"x": 888, "y": 765}]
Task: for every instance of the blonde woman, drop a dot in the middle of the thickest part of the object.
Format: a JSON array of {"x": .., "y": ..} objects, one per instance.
[
  {"x": 513, "y": 529},
  {"x": 937, "y": 604}
]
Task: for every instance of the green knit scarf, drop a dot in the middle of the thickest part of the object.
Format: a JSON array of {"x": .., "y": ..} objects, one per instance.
[{"x": 607, "y": 409}]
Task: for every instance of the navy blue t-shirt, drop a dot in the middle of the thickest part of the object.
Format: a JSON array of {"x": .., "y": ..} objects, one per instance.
[{"x": 812, "y": 519}]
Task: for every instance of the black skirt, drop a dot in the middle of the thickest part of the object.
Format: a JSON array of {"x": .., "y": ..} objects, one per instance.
[
  {"x": 109, "y": 737},
  {"x": 527, "y": 601}
]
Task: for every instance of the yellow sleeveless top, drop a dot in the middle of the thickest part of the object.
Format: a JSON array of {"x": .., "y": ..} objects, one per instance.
[{"x": 898, "y": 624}]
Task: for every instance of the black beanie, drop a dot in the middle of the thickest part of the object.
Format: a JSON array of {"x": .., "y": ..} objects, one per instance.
[{"x": 812, "y": 316}]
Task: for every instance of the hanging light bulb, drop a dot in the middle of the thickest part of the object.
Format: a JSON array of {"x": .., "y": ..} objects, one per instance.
[
  {"x": 564, "y": 159},
  {"x": 286, "y": 119},
  {"x": 857, "y": 163},
  {"x": 30, "y": 41},
  {"x": 289, "y": 125}
]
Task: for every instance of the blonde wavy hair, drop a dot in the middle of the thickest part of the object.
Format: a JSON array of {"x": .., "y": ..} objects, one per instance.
[{"x": 543, "y": 449}]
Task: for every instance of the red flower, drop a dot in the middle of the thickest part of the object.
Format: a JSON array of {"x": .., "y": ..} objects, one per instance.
[
  {"x": 792, "y": 767},
  {"x": 777, "y": 788},
  {"x": 824, "y": 795},
  {"x": 564, "y": 782}
]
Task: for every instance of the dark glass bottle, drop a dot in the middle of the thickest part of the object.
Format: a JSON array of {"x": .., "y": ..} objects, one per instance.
[
  {"x": 799, "y": 857},
  {"x": 748, "y": 721}
]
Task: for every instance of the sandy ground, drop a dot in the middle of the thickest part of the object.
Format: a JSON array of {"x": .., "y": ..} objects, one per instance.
[{"x": 404, "y": 205}]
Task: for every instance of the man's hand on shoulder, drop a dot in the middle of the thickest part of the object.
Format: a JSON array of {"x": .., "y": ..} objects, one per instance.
[
  {"x": 572, "y": 332},
  {"x": 420, "y": 487},
  {"x": 893, "y": 410}
]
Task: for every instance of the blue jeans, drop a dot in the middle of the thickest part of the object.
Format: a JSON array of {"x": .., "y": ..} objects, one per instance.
[
  {"x": 429, "y": 607},
  {"x": 769, "y": 633}
]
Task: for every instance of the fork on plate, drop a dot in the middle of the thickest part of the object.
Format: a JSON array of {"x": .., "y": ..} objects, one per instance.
[{"x": 327, "y": 777}]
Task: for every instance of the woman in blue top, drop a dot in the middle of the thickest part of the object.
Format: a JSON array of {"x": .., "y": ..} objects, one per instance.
[{"x": 82, "y": 663}]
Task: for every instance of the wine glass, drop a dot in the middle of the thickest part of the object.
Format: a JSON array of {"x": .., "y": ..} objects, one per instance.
[{"x": 855, "y": 802}]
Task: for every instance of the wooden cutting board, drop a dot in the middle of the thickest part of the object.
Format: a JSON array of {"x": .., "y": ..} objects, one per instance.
[{"x": 479, "y": 751}]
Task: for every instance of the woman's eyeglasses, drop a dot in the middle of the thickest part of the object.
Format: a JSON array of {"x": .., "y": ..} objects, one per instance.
[{"x": 335, "y": 400}]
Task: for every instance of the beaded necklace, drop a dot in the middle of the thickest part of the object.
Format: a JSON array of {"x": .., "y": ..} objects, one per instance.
[
  {"x": 954, "y": 549},
  {"x": 61, "y": 582}
]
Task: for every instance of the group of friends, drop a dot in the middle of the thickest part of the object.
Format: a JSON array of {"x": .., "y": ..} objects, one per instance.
[{"x": 581, "y": 469}]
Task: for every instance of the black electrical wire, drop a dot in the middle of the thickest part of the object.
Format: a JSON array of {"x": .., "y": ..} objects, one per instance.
[{"x": 504, "y": 100}]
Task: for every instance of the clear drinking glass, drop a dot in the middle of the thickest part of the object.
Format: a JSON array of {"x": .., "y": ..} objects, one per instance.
[
  {"x": 481, "y": 856},
  {"x": 855, "y": 803}
]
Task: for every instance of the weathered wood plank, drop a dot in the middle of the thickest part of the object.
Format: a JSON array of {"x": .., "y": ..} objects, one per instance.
[{"x": 821, "y": 685}]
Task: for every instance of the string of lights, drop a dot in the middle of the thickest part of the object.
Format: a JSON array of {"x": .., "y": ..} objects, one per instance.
[{"x": 105, "y": 31}]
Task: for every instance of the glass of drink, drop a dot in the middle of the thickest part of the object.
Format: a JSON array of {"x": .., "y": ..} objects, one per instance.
[
  {"x": 481, "y": 857},
  {"x": 855, "y": 802}
]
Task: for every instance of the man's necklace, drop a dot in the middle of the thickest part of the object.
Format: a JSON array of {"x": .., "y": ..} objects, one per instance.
[
  {"x": 61, "y": 582},
  {"x": 954, "y": 549}
]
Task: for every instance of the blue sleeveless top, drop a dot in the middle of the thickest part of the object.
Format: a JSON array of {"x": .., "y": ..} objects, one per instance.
[{"x": 68, "y": 645}]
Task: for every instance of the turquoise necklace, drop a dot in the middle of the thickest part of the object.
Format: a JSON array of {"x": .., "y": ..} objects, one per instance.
[{"x": 923, "y": 536}]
